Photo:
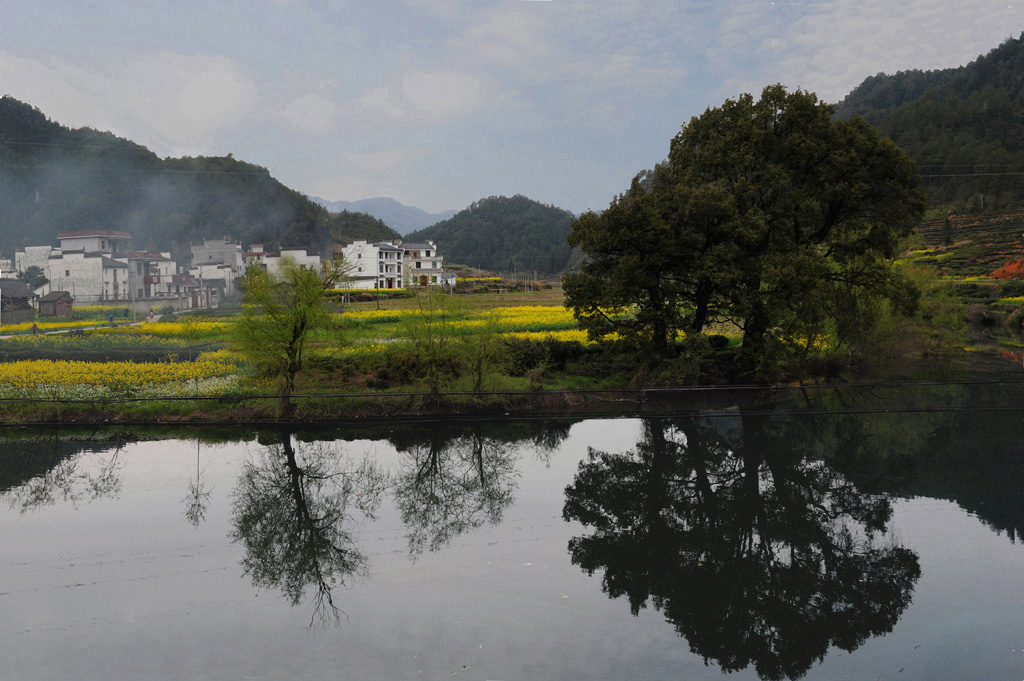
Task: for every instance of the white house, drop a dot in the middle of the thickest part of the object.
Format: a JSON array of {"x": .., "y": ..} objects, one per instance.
[
  {"x": 89, "y": 277},
  {"x": 374, "y": 265},
  {"x": 99, "y": 266},
  {"x": 217, "y": 265},
  {"x": 423, "y": 264},
  {"x": 274, "y": 262}
]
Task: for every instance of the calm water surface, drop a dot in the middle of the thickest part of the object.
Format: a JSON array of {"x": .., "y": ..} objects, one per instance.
[{"x": 752, "y": 540}]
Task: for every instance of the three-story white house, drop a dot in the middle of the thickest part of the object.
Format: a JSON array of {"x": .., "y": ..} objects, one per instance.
[{"x": 393, "y": 264}]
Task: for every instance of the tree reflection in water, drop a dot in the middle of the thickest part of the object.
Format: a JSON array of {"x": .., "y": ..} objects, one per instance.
[
  {"x": 292, "y": 509},
  {"x": 448, "y": 486},
  {"x": 198, "y": 498},
  {"x": 44, "y": 471},
  {"x": 758, "y": 554}
]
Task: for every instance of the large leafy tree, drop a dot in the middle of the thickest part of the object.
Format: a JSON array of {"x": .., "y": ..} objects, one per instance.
[{"x": 767, "y": 213}]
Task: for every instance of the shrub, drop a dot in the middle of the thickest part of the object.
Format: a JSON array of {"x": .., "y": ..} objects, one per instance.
[{"x": 981, "y": 317}]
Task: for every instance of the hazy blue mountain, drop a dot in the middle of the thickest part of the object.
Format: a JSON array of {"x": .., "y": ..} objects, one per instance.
[{"x": 398, "y": 216}]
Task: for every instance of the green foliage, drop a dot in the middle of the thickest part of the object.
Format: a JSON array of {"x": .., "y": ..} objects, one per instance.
[
  {"x": 432, "y": 336},
  {"x": 504, "y": 234},
  {"x": 963, "y": 126},
  {"x": 280, "y": 316},
  {"x": 33, "y": 276},
  {"x": 769, "y": 215},
  {"x": 347, "y": 226}
]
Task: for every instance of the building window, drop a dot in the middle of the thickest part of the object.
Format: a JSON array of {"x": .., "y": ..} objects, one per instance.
[
  {"x": 419, "y": 265},
  {"x": 426, "y": 254},
  {"x": 434, "y": 264},
  {"x": 359, "y": 256},
  {"x": 67, "y": 273}
]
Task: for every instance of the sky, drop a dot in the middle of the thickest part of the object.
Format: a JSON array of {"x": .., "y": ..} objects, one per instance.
[{"x": 439, "y": 103}]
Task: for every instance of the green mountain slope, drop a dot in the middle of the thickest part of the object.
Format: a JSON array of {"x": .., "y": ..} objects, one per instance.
[
  {"x": 55, "y": 179},
  {"x": 964, "y": 126},
  {"x": 504, "y": 234}
]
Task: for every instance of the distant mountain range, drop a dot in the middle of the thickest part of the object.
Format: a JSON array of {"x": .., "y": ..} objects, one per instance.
[{"x": 398, "y": 216}]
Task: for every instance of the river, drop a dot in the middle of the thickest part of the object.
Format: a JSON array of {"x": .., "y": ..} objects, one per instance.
[{"x": 848, "y": 534}]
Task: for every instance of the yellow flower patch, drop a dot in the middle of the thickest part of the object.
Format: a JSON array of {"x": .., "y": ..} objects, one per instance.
[
  {"x": 168, "y": 329},
  {"x": 49, "y": 377}
]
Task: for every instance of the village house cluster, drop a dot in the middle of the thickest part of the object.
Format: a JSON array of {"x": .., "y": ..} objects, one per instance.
[{"x": 101, "y": 267}]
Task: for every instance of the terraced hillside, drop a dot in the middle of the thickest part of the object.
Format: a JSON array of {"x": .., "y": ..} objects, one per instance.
[{"x": 980, "y": 244}]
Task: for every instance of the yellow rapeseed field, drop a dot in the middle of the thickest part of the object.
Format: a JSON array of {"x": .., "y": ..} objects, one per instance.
[
  {"x": 196, "y": 328},
  {"x": 66, "y": 378},
  {"x": 45, "y": 326}
]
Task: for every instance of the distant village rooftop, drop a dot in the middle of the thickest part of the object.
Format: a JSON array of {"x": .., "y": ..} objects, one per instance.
[{"x": 95, "y": 232}]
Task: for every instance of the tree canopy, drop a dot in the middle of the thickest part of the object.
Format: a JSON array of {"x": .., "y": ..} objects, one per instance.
[
  {"x": 280, "y": 315},
  {"x": 768, "y": 214}
]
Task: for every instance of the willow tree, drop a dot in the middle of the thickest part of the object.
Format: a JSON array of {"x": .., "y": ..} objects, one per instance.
[
  {"x": 769, "y": 214},
  {"x": 280, "y": 316}
]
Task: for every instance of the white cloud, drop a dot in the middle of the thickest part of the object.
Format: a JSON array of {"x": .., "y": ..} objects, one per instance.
[
  {"x": 427, "y": 95},
  {"x": 174, "y": 104},
  {"x": 831, "y": 47},
  {"x": 312, "y": 112},
  {"x": 441, "y": 94},
  {"x": 381, "y": 161}
]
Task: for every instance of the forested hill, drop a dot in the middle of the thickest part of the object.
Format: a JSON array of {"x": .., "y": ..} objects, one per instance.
[
  {"x": 503, "y": 234},
  {"x": 55, "y": 179},
  {"x": 964, "y": 126}
]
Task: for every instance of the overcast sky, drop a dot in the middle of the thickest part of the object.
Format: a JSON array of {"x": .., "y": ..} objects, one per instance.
[{"x": 438, "y": 103}]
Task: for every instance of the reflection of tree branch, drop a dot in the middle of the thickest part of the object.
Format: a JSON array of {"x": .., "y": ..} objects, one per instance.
[
  {"x": 451, "y": 486},
  {"x": 71, "y": 479},
  {"x": 291, "y": 512},
  {"x": 198, "y": 498}
]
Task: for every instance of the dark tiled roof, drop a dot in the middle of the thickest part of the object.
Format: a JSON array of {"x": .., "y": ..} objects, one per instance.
[
  {"x": 142, "y": 255},
  {"x": 116, "y": 264},
  {"x": 12, "y": 288},
  {"x": 95, "y": 232},
  {"x": 55, "y": 295}
]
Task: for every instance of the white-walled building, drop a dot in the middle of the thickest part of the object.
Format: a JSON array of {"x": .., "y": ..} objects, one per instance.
[
  {"x": 423, "y": 264},
  {"x": 219, "y": 252},
  {"x": 374, "y": 265},
  {"x": 95, "y": 241},
  {"x": 38, "y": 256},
  {"x": 274, "y": 262},
  {"x": 7, "y": 270},
  {"x": 88, "y": 277}
]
